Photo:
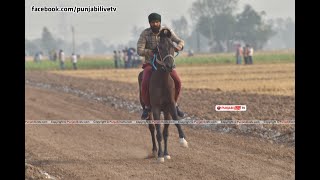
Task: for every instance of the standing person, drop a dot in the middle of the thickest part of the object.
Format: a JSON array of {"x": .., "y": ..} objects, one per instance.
[
  {"x": 36, "y": 57},
  {"x": 61, "y": 59},
  {"x": 146, "y": 44},
  {"x": 190, "y": 53},
  {"x": 245, "y": 54},
  {"x": 40, "y": 56},
  {"x": 250, "y": 54},
  {"x": 130, "y": 57},
  {"x": 74, "y": 61},
  {"x": 125, "y": 54},
  {"x": 116, "y": 58},
  {"x": 120, "y": 58},
  {"x": 133, "y": 58},
  {"x": 239, "y": 54},
  {"x": 55, "y": 55}
]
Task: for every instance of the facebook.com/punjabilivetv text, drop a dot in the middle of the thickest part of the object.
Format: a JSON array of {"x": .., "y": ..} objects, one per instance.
[{"x": 74, "y": 9}]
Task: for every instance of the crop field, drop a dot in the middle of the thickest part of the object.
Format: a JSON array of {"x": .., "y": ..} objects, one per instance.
[{"x": 274, "y": 79}]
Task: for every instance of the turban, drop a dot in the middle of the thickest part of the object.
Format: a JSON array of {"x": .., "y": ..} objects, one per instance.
[{"x": 154, "y": 16}]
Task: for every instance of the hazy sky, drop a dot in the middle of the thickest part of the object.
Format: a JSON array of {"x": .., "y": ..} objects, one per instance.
[{"x": 116, "y": 27}]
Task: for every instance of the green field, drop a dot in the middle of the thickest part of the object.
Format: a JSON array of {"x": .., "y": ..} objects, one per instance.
[{"x": 181, "y": 60}]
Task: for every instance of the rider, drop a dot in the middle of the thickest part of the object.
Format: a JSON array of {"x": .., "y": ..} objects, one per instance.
[{"x": 146, "y": 45}]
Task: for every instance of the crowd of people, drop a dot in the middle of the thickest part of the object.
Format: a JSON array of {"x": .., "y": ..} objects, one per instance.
[
  {"x": 126, "y": 58},
  {"x": 54, "y": 56},
  {"x": 246, "y": 52}
]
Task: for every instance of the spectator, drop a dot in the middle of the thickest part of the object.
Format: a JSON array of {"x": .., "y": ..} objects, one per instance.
[
  {"x": 250, "y": 54},
  {"x": 239, "y": 54},
  {"x": 130, "y": 57},
  {"x": 36, "y": 57},
  {"x": 125, "y": 57},
  {"x": 120, "y": 58},
  {"x": 61, "y": 59},
  {"x": 74, "y": 61},
  {"x": 115, "y": 58},
  {"x": 55, "y": 56},
  {"x": 245, "y": 53},
  {"x": 133, "y": 58}
]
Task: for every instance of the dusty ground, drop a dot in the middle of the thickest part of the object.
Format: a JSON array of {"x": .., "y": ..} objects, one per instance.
[
  {"x": 119, "y": 151},
  {"x": 259, "y": 106}
]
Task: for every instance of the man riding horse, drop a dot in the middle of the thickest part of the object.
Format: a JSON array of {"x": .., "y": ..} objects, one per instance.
[{"x": 146, "y": 46}]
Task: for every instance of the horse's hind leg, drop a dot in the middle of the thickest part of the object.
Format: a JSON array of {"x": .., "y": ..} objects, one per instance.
[
  {"x": 174, "y": 114},
  {"x": 154, "y": 146}
]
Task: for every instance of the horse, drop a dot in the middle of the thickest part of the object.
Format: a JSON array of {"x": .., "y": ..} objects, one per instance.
[{"x": 162, "y": 92}]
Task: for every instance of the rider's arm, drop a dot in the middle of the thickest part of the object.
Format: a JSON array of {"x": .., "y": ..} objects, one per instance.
[
  {"x": 142, "y": 51},
  {"x": 176, "y": 39}
]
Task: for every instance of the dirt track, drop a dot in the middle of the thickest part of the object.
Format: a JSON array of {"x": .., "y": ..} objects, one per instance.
[{"x": 119, "y": 151}]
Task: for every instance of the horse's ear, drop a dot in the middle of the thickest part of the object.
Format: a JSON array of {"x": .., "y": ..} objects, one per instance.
[{"x": 165, "y": 32}]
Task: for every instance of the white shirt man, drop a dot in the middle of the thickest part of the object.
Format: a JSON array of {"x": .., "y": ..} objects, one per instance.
[
  {"x": 74, "y": 58},
  {"x": 61, "y": 59},
  {"x": 74, "y": 61},
  {"x": 250, "y": 51}
]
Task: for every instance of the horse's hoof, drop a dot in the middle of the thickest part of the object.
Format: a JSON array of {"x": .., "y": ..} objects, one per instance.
[
  {"x": 183, "y": 142},
  {"x": 154, "y": 153},
  {"x": 160, "y": 159},
  {"x": 150, "y": 156},
  {"x": 167, "y": 157}
]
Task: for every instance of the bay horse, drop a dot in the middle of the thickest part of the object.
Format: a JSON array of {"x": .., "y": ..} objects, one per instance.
[{"x": 162, "y": 93}]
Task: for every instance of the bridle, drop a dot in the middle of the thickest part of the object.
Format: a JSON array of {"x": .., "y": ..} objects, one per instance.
[{"x": 162, "y": 60}]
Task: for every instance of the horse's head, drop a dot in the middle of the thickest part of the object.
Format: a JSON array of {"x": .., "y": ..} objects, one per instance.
[{"x": 166, "y": 50}]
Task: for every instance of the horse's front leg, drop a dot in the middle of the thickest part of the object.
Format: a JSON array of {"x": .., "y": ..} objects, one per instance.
[
  {"x": 166, "y": 135},
  {"x": 156, "y": 116},
  {"x": 154, "y": 146}
]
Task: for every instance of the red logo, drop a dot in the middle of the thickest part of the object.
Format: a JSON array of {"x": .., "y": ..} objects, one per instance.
[{"x": 237, "y": 108}]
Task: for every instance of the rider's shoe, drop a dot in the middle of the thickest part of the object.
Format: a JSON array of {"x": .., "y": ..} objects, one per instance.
[{"x": 145, "y": 113}]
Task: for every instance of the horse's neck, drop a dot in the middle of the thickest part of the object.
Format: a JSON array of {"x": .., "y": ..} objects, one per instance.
[{"x": 162, "y": 76}]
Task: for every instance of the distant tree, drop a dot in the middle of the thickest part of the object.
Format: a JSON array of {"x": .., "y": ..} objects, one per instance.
[
  {"x": 31, "y": 47},
  {"x": 288, "y": 33},
  {"x": 211, "y": 8},
  {"x": 193, "y": 42},
  {"x": 252, "y": 29},
  {"x": 180, "y": 27},
  {"x": 48, "y": 43},
  {"x": 214, "y": 20},
  {"x": 284, "y": 34},
  {"x": 224, "y": 30},
  {"x": 98, "y": 46},
  {"x": 84, "y": 47}
]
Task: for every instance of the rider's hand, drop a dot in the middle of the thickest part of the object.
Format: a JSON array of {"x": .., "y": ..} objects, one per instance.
[
  {"x": 177, "y": 48},
  {"x": 155, "y": 51}
]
